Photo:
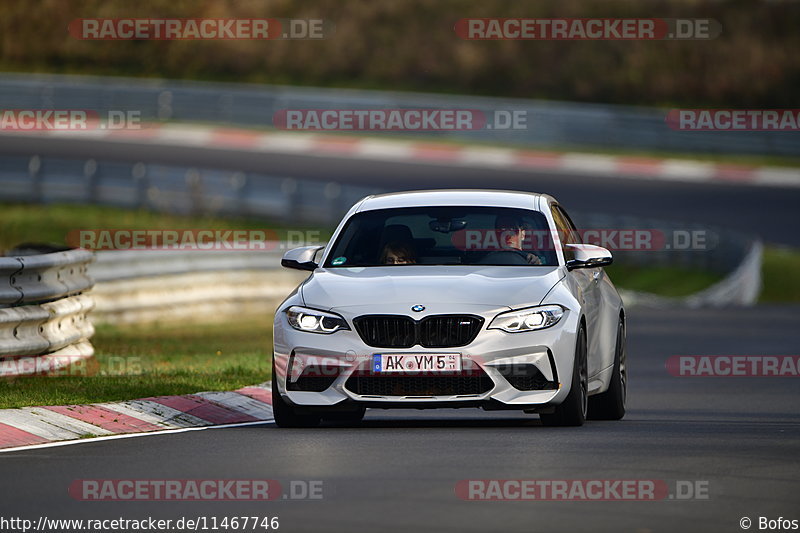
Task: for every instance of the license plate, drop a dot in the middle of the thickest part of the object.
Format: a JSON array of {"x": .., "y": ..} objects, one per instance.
[{"x": 423, "y": 362}]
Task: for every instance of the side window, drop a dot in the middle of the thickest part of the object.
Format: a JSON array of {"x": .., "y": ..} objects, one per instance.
[
  {"x": 575, "y": 236},
  {"x": 566, "y": 231},
  {"x": 561, "y": 225}
]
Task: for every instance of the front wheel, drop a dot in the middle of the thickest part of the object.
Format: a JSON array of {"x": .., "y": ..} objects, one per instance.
[
  {"x": 572, "y": 411},
  {"x": 285, "y": 414}
]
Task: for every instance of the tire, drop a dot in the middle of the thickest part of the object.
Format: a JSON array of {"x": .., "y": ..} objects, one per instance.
[
  {"x": 610, "y": 405},
  {"x": 285, "y": 414},
  {"x": 572, "y": 411}
]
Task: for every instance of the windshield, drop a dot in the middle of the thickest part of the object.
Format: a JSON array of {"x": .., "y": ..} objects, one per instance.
[{"x": 444, "y": 236}]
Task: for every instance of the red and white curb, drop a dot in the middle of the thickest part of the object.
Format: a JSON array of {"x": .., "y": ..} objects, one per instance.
[
  {"x": 41, "y": 425},
  {"x": 313, "y": 144}
]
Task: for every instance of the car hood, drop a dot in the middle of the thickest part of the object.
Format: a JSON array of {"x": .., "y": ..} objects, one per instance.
[{"x": 491, "y": 286}]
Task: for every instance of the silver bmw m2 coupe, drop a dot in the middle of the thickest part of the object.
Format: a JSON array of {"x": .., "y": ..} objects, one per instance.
[{"x": 451, "y": 298}]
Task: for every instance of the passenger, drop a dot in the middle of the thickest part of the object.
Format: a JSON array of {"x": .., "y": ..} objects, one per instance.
[{"x": 398, "y": 253}]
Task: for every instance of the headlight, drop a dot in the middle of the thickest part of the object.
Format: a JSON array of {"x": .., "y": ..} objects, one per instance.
[
  {"x": 314, "y": 321},
  {"x": 529, "y": 319}
]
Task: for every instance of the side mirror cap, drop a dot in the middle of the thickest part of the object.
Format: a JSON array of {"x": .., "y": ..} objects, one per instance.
[
  {"x": 301, "y": 258},
  {"x": 588, "y": 256}
]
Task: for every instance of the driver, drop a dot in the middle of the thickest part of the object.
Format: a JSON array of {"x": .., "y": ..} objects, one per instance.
[
  {"x": 511, "y": 235},
  {"x": 398, "y": 253}
]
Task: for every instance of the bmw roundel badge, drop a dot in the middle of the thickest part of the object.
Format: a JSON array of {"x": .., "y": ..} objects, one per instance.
[{"x": 418, "y": 308}]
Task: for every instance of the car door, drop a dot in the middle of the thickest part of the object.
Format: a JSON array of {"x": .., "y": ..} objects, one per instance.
[{"x": 587, "y": 281}]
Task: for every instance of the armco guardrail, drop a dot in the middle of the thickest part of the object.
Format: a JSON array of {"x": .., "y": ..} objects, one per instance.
[
  {"x": 43, "y": 311},
  {"x": 175, "y": 189},
  {"x": 735, "y": 255},
  {"x": 43, "y": 277},
  {"x": 561, "y": 124},
  {"x": 115, "y": 265},
  {"x": 740, "y": 287},
  {"x": 143, "y": 286},
  {"x": 676, "y": 244}
]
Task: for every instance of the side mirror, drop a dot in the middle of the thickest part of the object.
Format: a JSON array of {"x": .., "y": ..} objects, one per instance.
[
  {"x": 301, "y": 258},
  {"x": 588, "y": 256}
]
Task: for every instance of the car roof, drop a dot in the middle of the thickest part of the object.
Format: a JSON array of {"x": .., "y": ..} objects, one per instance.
[{"x": 476, "y": 197}]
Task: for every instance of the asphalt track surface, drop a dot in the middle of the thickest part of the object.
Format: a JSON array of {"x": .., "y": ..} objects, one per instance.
[
  {"x": 397, "y": 471},
  {"x": 770, "y": 212}
]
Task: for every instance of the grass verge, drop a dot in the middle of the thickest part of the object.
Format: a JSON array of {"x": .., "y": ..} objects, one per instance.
[
  {"x": 780, "y": 275},
  {"x": 52, "y": 223},
  {"x": 137, "y": 362},
  {"x": 664, "y": 281}
]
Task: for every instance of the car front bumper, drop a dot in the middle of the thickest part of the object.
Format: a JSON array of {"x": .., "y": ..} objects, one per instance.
[{"x": 495, "y": 354}]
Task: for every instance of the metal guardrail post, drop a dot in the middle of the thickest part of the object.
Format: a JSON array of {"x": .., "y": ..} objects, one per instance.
[
  {"x": 333, "y": 194},
  {"x": 141, "y": 183},
  {"x": 290, "y": 190},
  {"x": 239, "y": 184},
  {"x": 35, "y": 175},
  {"x": 194, "y": 182},
  {"x": 164, "y": 101},
  {"x": 92, "y": 181}
]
